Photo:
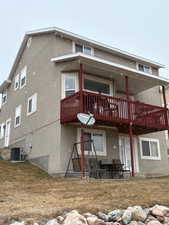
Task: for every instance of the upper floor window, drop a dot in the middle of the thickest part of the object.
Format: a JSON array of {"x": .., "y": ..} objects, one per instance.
[
  {"x": 16, "y": 85},
  {"x": 70, "y": 84},
  {"x": 32, "y": 104},
  {"x": 144, "y": 68},
  {"x": 4, "y": 97},
  {"x": 17, "y": 116},
  {"x": 23, "y": 77},
  {"x": 82, "y": 48},
  {"x": 150, "y": 148}
]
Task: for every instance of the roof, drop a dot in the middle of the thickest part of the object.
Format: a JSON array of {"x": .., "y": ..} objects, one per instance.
[
  {"x": 73, "y": 36},
  {"x": 154, "y": 80}
]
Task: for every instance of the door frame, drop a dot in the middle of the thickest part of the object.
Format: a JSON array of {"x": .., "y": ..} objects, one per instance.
[
  {"x": 135, "y": 144},
  {"x": 6, "y": 141}
]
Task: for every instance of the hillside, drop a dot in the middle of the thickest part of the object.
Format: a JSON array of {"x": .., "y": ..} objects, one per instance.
[{"x": 28, "y": 192}]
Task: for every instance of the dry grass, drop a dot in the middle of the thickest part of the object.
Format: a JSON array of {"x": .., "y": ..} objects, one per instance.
[{"x": 27, "y": 192}]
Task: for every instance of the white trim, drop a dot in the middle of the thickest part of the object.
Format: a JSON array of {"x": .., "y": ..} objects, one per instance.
[
  {"x": 34, "y": 104},
  {"x": 81, "y": 56},
  {"x": 19, "y": 108},
  {"x": 23, "y": 74},
  {"x": 158, "y": 147},
  {"x": 63, "y": 75},
  {"x": 104, "y": 153},
  {"x": 6, "y": 141}
]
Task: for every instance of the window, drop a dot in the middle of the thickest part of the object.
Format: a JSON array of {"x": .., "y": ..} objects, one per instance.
[
  {"x": 23, "y": 77},
  {"x": 150, "y": 148},
  {"x": 17, "y": 116},
  {"x": 70, "y": 84},
  {"x": 98, "y": 85},
  {"x": 32, "y": 104},
  {"x": 144, "y": 68},
  {"x": 4, "y": 97},
  {"x": 16, "y": 85},
  {"x": 99, "y": 139},
  {"x": 2, "y": 130},
  {"x": 82, "y": 48}
]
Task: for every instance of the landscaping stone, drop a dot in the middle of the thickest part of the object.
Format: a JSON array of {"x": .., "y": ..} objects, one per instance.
[
  {"x": 154, "y": 222},
  {"x": 52, "y": 222},
  {"x": 74, "y": 218},
  {"x": 127, "y": 216},
  {"x": 116, "y": 215},
  {"x": 60, "y": 219},
  {"x": 18, "y": 223},
  {"x": 133, "y": 223},
  {"x": 159, "y": 210},
  {"x": 138, "y": 214},
  {"x": 104, "y": 217}
]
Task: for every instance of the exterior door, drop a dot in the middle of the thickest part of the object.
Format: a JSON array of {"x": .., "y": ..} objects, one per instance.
[
  {"x": 125, "y": 155},
  {"x": 7, "y": 132}
]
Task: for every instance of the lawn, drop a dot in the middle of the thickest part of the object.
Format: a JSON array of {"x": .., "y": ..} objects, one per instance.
[{"x": 28, "y": 192}]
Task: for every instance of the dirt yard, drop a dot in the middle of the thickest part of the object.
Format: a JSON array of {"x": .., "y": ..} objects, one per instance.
[{"x": 27, "y": 192}]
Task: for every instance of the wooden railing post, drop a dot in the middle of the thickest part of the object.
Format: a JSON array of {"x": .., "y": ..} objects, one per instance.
[
  {"x": 130, "y": 126},
  {"x": 165, "y": 106}
]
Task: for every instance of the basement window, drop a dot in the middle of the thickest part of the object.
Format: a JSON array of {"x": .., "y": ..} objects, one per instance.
[{"x": 150, "y": 149}]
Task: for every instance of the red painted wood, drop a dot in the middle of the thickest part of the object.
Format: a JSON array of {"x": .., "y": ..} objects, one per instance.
[
  {"x": 112, "y": 109},
  {"x": 130, "y": 125},
  {"x": 165, "y": 105}
]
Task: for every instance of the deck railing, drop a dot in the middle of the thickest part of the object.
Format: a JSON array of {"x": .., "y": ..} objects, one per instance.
[{"x": 107, "y": 108}]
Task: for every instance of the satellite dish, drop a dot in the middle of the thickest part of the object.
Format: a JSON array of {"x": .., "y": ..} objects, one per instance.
[{"x": 86, "y": 119}]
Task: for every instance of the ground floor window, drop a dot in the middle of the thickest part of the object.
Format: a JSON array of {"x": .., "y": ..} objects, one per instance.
[
  {"x": 99, "y": 139},
  {"x": 150, "y": 148}
]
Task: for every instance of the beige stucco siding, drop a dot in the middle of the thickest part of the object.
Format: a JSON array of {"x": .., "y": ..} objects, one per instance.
[
  {"x": 149, "y": 167},
  {"x": 115, "y": 58}
]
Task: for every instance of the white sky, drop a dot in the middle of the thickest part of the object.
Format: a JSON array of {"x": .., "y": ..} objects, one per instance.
[{"x": 138, "y": 26}]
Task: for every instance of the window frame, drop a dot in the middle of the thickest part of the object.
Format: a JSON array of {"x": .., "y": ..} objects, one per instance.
[
  {"x": 17, "y": 80},
  {"x": 34, "y": 104},
  {"x": 23, "y": 74},
  {"x": 93, "y": 131},
  {"x": 20, "y": 112},
  {"x": 3, "y": 103},
  {"x": 158, "y": 149},
  {"x": 64, "y": 75},
  {"x": 83, "y": 48},
  {"x": 150, "y": 68},
  {"x": 100, "y": 80}
]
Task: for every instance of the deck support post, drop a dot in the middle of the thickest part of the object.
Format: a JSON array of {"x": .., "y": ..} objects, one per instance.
[
  {"x": 82, "y": 155},
  {"x": 165, "y": 104},
  {"x": 130, "y": 127}
]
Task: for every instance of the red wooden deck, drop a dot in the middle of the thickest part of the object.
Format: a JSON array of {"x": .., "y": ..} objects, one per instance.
[{"x": 118, "y": 112}]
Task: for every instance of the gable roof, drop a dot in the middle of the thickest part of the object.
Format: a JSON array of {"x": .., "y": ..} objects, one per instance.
[{"x": 75, "y": 37}]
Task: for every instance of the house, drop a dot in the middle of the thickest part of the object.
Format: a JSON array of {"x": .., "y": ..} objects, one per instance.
[{"x": 58, "y": 74}]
